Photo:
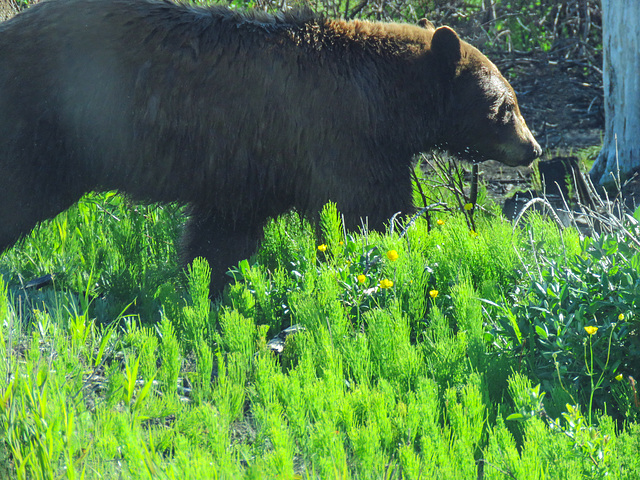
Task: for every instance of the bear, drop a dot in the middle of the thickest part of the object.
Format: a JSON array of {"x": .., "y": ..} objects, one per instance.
[{"x": 241, "y": 115}]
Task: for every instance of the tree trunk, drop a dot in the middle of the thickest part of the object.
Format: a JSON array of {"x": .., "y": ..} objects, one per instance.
[{"x": 620, "y": 153}]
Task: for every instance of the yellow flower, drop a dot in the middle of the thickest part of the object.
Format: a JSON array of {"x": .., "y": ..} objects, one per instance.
[
  {"x": 472, "y": 234},
  {"x": 392, "y": 255},
  {"x": 468, "y": 206},
  {"x": 386, "y": 283},
  {"x": 591, "y": 330},
  {"x": 433, "y": 293},
  {"x": 322, "y": 248},
  {"x": 362, "y": 278},
  {"x": 440, "y": 221},
  {"x": 619, "y": 377},
  {"x": 621, "y": 317}
]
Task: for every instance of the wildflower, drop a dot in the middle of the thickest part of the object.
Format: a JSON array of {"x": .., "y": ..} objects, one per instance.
[
  {"x": 392, "y": 255},
  {"x": 362, "y": 278},
  {"x": 621, "y": 317},
  {"x": 619, "y": 377},
  {"x": 591, "y": 330},
  {"x": 440, "y": 221},
  {"x": 322, "y": 248},
  {"x": 386, "y": 283},
  {"x": 433, "y": 293},
  {"x": 468, "y": 207},
  {"x": 472, "y": 234}
]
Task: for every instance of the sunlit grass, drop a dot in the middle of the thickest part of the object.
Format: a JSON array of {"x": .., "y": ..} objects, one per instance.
[{"x": 123, "y": 368}]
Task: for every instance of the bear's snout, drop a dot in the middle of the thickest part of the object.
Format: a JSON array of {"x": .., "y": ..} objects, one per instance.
[
  {"x": 537, "y": 150},
  {"x": 517, "y": 156}
]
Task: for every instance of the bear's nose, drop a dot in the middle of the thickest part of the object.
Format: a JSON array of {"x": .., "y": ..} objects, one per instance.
[{"x": 537, "y": 149}]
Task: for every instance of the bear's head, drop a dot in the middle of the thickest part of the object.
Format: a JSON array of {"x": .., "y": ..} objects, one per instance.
[{"x": 483, "y": 118}]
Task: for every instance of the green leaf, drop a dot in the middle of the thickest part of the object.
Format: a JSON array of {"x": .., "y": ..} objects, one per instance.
[
  {"x": 518, "y": 417},
  {"x": 104, "y": 341},
  {"x": 131, "y": 376},
  {"x": 244, "y": 266},
  {"x": 542, "y": 332},
  {"x": 143, "y": 393}
]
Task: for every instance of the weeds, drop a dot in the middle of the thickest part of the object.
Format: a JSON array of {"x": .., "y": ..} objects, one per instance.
[
  {"x": 396, "y": 368},
  {"x": 554, "y": 328}
]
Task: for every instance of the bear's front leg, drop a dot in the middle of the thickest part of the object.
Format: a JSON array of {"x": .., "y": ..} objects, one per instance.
[{"x": 222, "y": 242}]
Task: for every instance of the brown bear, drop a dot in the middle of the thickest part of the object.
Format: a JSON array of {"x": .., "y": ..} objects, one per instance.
[{"x": 243, "y": 116}]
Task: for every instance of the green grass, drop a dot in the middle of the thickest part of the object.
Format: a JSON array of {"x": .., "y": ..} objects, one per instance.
[{"x": 122, "y": 368}]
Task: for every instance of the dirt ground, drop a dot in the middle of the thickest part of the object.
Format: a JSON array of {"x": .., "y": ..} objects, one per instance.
[{"x": 562, "y": 100}]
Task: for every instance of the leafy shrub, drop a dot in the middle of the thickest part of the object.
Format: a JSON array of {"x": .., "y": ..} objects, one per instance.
[{"x": 577, "y": 325}]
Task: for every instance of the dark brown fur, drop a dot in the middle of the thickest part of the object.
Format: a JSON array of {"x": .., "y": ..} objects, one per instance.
[{"x": 242, "y": 116}]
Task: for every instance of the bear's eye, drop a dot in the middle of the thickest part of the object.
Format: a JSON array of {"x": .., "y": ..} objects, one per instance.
[{"x": 505, "y": 111}]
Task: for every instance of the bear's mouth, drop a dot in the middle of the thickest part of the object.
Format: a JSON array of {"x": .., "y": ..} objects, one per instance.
[
  {"x": 520, "y": 155},
  {"x": 507, "y": 154}
]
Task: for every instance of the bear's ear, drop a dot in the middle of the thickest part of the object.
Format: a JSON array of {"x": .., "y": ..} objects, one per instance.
[
  {"x": 424, "y": 23},
  {"x": 445, "y": 44}
]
